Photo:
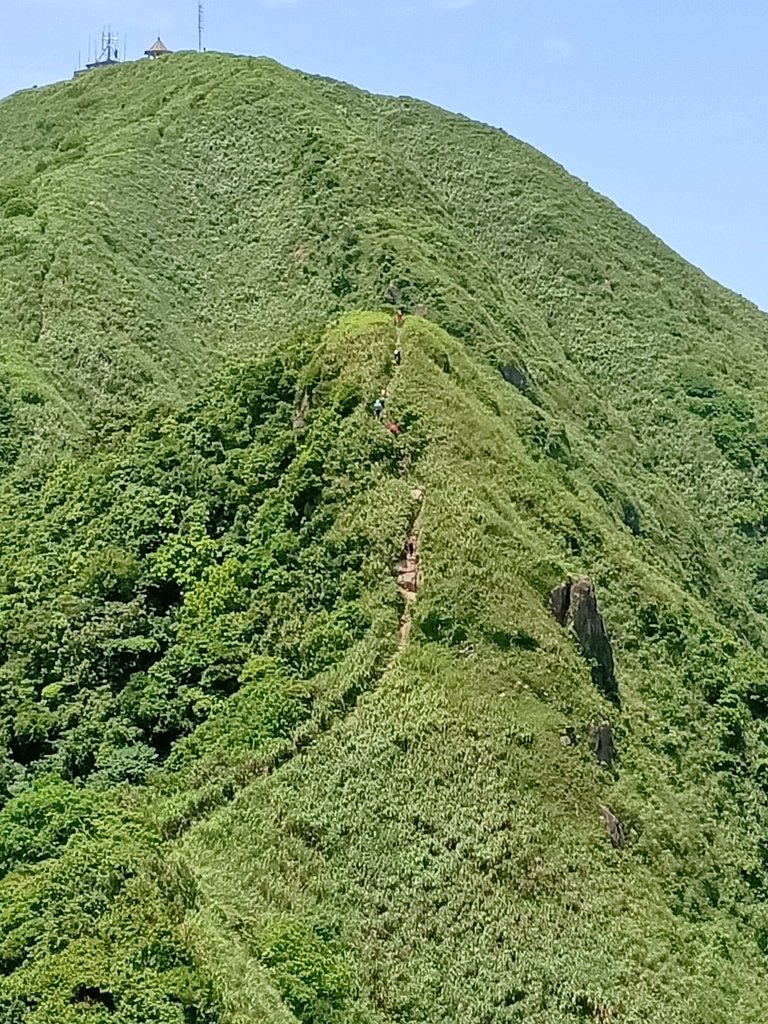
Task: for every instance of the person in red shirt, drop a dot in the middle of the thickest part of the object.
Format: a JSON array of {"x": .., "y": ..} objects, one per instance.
[
  {"x": 399, "y": 319},
  {"x": 393, "y": 428}
]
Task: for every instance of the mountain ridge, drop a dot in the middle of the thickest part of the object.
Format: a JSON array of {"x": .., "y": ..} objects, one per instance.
[{"x": 233, "y": 790}]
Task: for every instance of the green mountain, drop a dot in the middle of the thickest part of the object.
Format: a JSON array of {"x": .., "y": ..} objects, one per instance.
[{"x": 306, "y": 720}]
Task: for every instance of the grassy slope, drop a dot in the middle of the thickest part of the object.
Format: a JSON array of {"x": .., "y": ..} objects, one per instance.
[
  {"x": 445, "y": 847},
  {"x": 441, "y": 826}
]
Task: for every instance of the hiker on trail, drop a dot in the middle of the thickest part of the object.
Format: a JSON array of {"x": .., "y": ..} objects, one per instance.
[
  {"x": 399, "y": 319},
  {"x": 378, "y": 407},
  {"x": 397, "y": 356},
  {"x": 393, "y": 428}
]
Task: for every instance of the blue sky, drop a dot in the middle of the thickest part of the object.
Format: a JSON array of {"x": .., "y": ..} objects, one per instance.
[{"x": 659, "y": 104}]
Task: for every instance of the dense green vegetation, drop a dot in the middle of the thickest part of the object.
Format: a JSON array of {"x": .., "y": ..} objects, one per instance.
[{"x": 233, "y": 787}]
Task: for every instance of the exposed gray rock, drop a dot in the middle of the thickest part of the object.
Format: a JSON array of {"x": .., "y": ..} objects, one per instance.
[
  {"x": 560, "y": 602},
  {"x": 631, "y": 517},
  {"x": 605, "y": 746},
  {"x": 443, "y": 362},
  {"x": 514, "y": 376},
  {"x": 300, "y": 417},
  {"x": 574, "y": 604},
  {"x": 568, "y": 737},
  {"x": 612, "y": 826}
]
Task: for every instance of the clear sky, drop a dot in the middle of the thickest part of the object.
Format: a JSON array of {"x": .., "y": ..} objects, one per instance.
[{"x": 659, "y": 104}]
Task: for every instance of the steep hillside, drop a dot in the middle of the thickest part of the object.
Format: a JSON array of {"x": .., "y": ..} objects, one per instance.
[{"x": 290, "y": 731}]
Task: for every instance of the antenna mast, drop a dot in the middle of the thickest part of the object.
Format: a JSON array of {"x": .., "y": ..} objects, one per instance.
[
  {"x": 109, "y": 44},
  {"x": 200, "y": 26},
  {"x": 110, "y": 51}
]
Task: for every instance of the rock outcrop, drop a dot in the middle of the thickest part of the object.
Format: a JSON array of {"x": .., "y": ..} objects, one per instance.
[
  {"x": 605, "y": 745},
  {"x": 568, "y": 737},
  {"x": 514, "y": 376},
  {"x": 574, "y": 604},
  {"x": 612, "y": 826},
  {"x": 300, "y": 416}
]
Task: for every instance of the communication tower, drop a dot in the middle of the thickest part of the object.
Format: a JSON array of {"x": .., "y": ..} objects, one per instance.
[{"x": 109, "y": 52}]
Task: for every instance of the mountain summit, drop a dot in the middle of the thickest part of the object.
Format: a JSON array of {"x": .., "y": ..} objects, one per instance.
[{"x": 447, "y": 707}]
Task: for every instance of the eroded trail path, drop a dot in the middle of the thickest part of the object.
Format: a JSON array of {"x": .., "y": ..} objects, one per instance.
[{"x": 408, "y": 571}]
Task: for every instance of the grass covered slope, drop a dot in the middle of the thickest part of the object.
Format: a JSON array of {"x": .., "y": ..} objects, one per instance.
[
  {"x": 157, "y": 216},
  {"x": 233, "y": 770},
  {"x": 238, "y": 784},
  {"x": 437, "y": 849}
]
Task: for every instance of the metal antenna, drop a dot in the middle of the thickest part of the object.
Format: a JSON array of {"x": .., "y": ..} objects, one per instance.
[{"x": 200, "y": 26}]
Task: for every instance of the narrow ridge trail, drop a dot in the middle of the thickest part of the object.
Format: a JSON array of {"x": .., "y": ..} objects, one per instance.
[
  {"x": 408, "y": 567},
  {"x": 408, "y": 571}
]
